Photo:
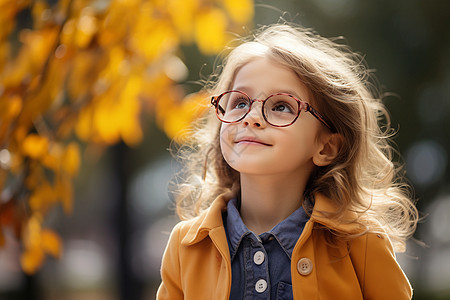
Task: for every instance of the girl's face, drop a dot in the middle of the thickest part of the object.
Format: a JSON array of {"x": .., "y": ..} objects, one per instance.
[{"x": 253, "y": 146}]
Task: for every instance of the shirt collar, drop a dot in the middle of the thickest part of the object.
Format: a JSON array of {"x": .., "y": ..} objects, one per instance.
[
  {"x": 236, "y": 228},
  {"x": 286, "y": 232},
  {"x": 289, "y": 230}
]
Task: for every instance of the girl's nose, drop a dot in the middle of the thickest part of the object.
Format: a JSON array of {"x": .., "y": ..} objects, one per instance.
[{"x": 254, "y": 118}]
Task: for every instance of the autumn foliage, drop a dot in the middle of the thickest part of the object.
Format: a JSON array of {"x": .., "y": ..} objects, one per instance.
[{"x": 84, "y": 72}]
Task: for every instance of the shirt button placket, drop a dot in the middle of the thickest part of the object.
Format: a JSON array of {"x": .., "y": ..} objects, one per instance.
[{"x": 261, "y": 275}]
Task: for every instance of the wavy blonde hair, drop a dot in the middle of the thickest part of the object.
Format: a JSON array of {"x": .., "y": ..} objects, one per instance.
[{"x": 362, "y": 178}]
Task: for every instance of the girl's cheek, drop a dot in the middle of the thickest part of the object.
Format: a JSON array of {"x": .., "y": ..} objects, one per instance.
[
  {"x": 221, "y": 139},
  {"x": 226, "y": 140},
  {"x": 227, "y": 132}
]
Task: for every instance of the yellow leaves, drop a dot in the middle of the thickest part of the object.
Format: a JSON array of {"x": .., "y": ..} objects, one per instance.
[
  {"x": 37, "y": 45},
  {"x": 9, "y": 110},
  {"x": 240, "y": 11},
  {"x": 177, "y": 117},
  {"x": 51, "y": 243},
  {"x": 38, "y": 242},
  {"x": 31, "y": 260},
  {"x": 114, "y": 115},
  {"x": 210, "y": 27},
  {"x": 80, "y": 31},
  {"x": 35, "y": 146},
  {"x": 60, "y": 159},
  {"x": 183, "y": 15},
  {"x": 42, "y": 197},
  {"x": 64, "y": 161},
  {"x": 44, "y": 194},
  {"x": 71, "y": 159},
  {"x": 8, "y": 11},
  {"x": 82, "y": 77},
  {"x": 86, "y": 28},
  {"x": 90, "y": 68},
  {"x": 152, "y": 37},
  {"x": 107, "y": 122}
]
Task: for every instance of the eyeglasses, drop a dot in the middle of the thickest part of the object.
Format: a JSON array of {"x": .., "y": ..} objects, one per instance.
[{"x": 279, "y": 110}]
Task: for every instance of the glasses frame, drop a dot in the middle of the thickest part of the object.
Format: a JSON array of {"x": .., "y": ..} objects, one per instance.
[{"x": 302, "y": 105}]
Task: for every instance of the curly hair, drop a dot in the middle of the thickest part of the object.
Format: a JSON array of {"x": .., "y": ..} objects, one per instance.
[{"x": 362, "y": 178}]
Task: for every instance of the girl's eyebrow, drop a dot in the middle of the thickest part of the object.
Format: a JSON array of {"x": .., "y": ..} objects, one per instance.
[
  {"x": 249, "y": 90},
  {"x": 291, "y": 92}
]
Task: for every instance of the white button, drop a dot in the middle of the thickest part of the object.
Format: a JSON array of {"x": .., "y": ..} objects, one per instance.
[
  {"x": 304, "y": 266},
  {"x": 258, "y": 258},
  {"x": 261, "y": 285}
]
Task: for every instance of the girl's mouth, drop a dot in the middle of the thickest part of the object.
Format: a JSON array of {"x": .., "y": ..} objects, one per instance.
[{"x": 251, "y": 141}]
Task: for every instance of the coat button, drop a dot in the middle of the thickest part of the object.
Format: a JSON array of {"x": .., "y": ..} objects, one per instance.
[
  {"x": 304, "y": 266},
  {"x": 261, "y": 285},
  {"x": 258, "y": 258}
]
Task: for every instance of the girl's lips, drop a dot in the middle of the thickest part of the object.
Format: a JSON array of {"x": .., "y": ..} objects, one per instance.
[{"x": 251, "y": 141}]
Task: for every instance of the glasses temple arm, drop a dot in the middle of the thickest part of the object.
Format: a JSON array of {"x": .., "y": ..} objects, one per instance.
[
  {"x": 319, "y": 116},
  {"x": 215, "y": 103}
]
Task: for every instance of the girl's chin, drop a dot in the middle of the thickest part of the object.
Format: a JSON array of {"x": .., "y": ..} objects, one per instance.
[{"x": 250, "y": 168}]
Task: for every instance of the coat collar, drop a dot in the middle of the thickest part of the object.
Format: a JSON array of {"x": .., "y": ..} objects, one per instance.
[
  {"x": 348, "y": 223},
  {"x": 210, "y": 219},
  {"x": 201, "y": 226}
]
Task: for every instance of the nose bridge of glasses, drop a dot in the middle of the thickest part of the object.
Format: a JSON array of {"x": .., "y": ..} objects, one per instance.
[{"x": 256, "y": 108}]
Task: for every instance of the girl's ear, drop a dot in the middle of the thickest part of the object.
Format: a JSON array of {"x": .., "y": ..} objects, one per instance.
[{"x": 328, "y": 150}]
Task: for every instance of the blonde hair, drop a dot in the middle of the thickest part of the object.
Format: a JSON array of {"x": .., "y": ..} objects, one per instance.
[{"x": 362, "y": 178}]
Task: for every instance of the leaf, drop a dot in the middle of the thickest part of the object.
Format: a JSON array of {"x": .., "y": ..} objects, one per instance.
[
  {"x": 31, "y": 260},
  {"x": 13, "y": 107},
  {"x": 35, "y": 146},
  {"x": 32, "y": 232},
  {"x": 51, "y": 243},
  {"x": 42, "y": 197},
  {"x": 105, "y": 122},
  {"x": 64, "y": 191},
  {"x": 87, "y": 26},
  {"x": 240, "y": 11},
  {"x": 71, "y": 159},
  {"x": 210, "y": 27},
  {"x": 52, "y": 159},
  {"x": 153, "y": 38},
  {"x": 83, "y": 127},
  {"x": 183, "y": 14},
  {"x": 36, "y": 176},
  {"x": 129, "y": 109},
  {"x": 180, "y": 117}
]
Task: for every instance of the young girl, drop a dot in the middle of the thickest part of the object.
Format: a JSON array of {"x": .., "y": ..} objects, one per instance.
[{"x": 291, "y": 192}]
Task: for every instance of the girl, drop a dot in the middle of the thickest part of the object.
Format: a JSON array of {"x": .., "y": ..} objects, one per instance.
[{"x": 291, "y": 192}]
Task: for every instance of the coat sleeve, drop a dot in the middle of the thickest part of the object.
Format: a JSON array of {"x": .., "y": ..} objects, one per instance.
[
  {"x": 380, "y": 276},
  {"x": 170, "y": 287}
]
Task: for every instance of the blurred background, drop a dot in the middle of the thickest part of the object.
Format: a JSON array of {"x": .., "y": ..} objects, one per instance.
[{"x": 111, "y": 235}]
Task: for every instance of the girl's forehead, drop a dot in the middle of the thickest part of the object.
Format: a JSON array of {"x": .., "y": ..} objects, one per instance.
[{"x": 264, "y": 76}]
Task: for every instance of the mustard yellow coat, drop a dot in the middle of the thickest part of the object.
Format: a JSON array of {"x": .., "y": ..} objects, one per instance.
[{"x": 196, "y": 263}]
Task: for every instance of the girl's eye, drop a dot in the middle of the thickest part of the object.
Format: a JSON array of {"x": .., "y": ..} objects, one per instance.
[
  {"x": 240, "y": 103},
  {"x": 282, "y": 107}
]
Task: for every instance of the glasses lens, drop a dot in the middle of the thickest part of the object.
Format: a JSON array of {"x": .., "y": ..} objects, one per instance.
[
  {"x": 281, "y": 110},
  {"x": 233, "y": 106}
]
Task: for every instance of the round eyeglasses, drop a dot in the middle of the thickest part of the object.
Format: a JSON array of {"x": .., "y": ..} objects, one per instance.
[{"x": 279, "y": 110}]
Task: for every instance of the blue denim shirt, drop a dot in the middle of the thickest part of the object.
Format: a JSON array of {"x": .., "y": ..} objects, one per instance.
[{"x": 261, "y": 265}]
